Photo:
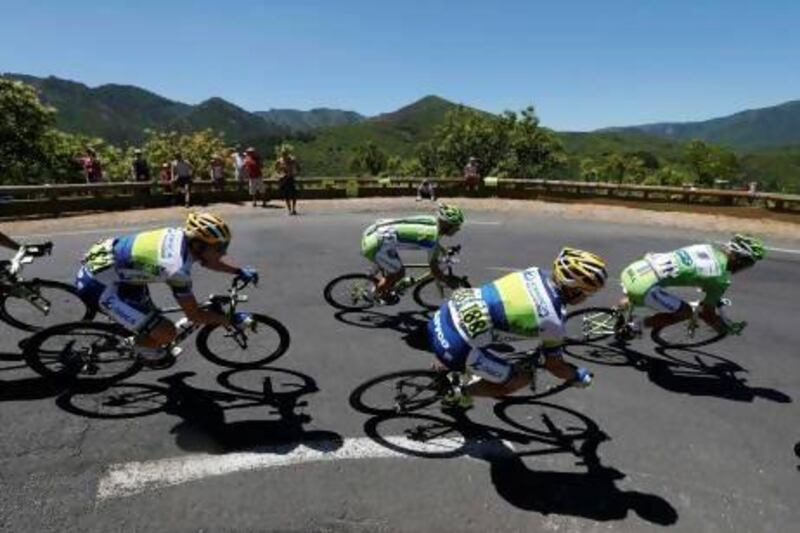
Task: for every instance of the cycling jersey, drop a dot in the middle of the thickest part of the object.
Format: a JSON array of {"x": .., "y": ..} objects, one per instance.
[
  {"x": 385, "y": 236},
  {"x": 116, "y": 272},
  {"x": 524, "y": 303},
  {"x": 701, "y": 265}
]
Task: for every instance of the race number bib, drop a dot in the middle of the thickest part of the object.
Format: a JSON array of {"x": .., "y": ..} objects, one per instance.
[
  {"x": 471, "y": 311},
  {"x": 665, "y": 265}
]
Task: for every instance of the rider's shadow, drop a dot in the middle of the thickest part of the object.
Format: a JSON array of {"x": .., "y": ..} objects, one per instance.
[
  {"x": 411, "y": 325},
  {"x": 204, "y": 413},
  {"x": 686, "y": 371},
  {"x": 591, "y": 494},
  {"x": 18, "y": 383}
]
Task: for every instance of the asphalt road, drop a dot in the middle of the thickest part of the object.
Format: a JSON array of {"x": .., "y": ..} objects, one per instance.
[{"x": 694, "y": 441}]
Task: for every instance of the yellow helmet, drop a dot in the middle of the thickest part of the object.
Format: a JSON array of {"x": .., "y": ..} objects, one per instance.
[
  {"x": 579, "y": 269},
  {"x": 208, "y": 228}
]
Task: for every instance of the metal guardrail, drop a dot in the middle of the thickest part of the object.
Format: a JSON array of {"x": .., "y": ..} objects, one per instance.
[{"x": 30, "y": 200}]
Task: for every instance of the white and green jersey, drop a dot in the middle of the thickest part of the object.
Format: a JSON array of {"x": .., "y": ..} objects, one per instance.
[
  {"x": 701, "y": 265},
  {"x": 416, "y": 232}
]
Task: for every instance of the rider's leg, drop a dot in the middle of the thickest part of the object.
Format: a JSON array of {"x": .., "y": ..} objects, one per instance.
[
  {"x": 130, "y": 306},
  {"x": 498, "y": 376},
  {"x": 391, "y": 266},
  {"x": 671, "y": 309},
  {"x": 710, "y": 316}
]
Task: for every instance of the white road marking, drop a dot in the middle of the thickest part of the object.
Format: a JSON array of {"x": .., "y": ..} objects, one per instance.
[
  {"x": 129, "y": 479},
  {"x": 783, "y": 250}
]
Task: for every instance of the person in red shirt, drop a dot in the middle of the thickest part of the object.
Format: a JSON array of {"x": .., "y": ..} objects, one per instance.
[
  {"x": 252, "y": 168},
  {"x": 91, "y": 166}
]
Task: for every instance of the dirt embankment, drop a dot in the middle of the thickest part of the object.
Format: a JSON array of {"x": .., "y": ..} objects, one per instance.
[{"x": 784, "y": 227}]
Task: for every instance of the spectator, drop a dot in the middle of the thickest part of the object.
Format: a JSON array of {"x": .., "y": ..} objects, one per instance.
[
  {"x": 238, "y": 165},
  {"x": 252, "y": 169},
  {"x": 286, "y": 168},
  {"x": 91, "y": 166},
  {"x": 182, "y": 173},
  {"x": 217, "y": 172},
  {"x": 472, "y": 175},
  {"x": 425, "y": 191},
  {"x": 165, "y": 177},
  {"x": 140, "y": 171}
]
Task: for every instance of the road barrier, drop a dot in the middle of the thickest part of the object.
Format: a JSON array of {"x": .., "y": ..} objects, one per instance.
[{"x": 53, "y": 200}]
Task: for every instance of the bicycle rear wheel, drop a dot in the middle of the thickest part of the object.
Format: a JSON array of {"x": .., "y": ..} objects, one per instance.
[
  {"x": 351, "y": 292},
  {"x": 234, "y": 347},
  {"x": 399, "y": 392},
  {"x": 590, "y": 324},
  {"x": 679, "y": 335},
  {"x": 86, "y": 352},
  {"x": 430, "y": 294},
  {"x": 38, "y": 304}
]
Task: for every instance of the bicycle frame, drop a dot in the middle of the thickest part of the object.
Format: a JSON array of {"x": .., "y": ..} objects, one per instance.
[{"x": 448, "y": 260}]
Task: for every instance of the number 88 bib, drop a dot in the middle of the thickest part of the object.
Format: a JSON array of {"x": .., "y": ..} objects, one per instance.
[{"x": 470, "y": 314}]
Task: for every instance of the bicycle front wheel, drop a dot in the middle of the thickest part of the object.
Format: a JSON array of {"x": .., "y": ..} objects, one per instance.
[
  {"x": 39, "y": 304},
  {"x": 351, "y": 292},
  {"x": 680, "y": 335},
  {"x": 87, "y": 352},
  {"x": 590, "y": 324},
  {"x": 431, "y": 294},
  {"x": 234, "y": 347}
]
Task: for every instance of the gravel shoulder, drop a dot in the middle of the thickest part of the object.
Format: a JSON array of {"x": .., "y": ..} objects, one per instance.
[{"x": 783, "y": 229}]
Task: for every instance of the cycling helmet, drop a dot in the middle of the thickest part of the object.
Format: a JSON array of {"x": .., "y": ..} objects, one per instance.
[
  {"x": 579, "y": 269},
  {"x": 451, "y": 214},
  {"x": 747, "y": 247},
  {"x": 208, "y": 228}
]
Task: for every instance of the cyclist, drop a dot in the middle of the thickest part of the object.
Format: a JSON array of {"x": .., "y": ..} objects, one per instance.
[
  {"x": 382, "y": 239},
  {"x": 527, "y": 303},
  {"x": 705, "y": 266},
  {"x": 116, "y": 272}
]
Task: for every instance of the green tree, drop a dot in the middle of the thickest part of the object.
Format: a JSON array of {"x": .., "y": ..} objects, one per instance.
[
  {"x": 197, "y": 148},
  {"x": 710, "y": 163},
  {"x": 24, "y": 125},
  {"x": 368, "y": 159},
  {"x": 530, "y": 151},
  {"x": 469, "y": 133}
]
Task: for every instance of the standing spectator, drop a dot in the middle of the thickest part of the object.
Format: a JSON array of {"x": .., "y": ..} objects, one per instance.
[
  {"x": 140, "y": 171},
  {"x": 217, "y": 172},
  {"x": 182, "y": 173},
  {"x": 425, "y": 191},
  {"x": 165, "y": 177},
  {"x": 91, "y": 166},
  {"x": 472, "y": 175},
  {"x": 286, "y": 168},
  {"x": 252, "y": 169},
  {"x": 238, "y": 165}
]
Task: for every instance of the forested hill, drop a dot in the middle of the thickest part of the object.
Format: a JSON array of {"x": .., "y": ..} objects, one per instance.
[{"x": 767, "y": 127}]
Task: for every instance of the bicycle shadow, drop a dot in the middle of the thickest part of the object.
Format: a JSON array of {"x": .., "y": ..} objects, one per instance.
[
  {"x": 25, "y": 388},
  {"x": 684, "y": 371},
  {"x": 205, "y": 414},
  {"x": 591, "y": 494},
  {"x": 412, "y": 325}
]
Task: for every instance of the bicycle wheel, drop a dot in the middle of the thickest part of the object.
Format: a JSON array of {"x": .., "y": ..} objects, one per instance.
[
  {"x": 93, "y": 353},
  {"x": 679, "y": 335},
  {"x": 431, "y": 295},
  {"x": 590, "y": 324},
  {"x": 40, "y": 304},
  {"x": 350, "y": 292},
  {"x": 238, "y": 348},
  {"x": 398, "y": 392}
]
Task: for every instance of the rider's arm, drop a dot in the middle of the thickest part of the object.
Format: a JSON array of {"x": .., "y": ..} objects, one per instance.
[
  {"x": 8, "y": 242},
  {"x": 219, "y": 265},
  {"x": 197, "y": 314}
]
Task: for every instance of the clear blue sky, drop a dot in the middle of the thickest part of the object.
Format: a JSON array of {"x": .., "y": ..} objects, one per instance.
[{"x": 583, "y": 64}]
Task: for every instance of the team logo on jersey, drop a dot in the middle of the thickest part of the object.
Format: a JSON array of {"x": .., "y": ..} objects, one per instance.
[
  {"x": 539, "y": 299},
  {"x": 437, "y": 328},
  {"x": 685, "y": 258}
]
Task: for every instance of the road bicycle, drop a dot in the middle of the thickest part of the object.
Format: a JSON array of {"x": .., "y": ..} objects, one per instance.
[
  {"x": 594, "y": 324},
  {"x": 408, "y": 391},
  {"x": 356, "y": 291},
  {"x": 101, "y": 353},
  {"x": 34, "y": 304}
]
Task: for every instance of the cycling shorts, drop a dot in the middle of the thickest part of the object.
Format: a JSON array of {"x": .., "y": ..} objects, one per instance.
[
  {"x": 126, "y": 304},
  {"x": 640, "y": 284}
]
